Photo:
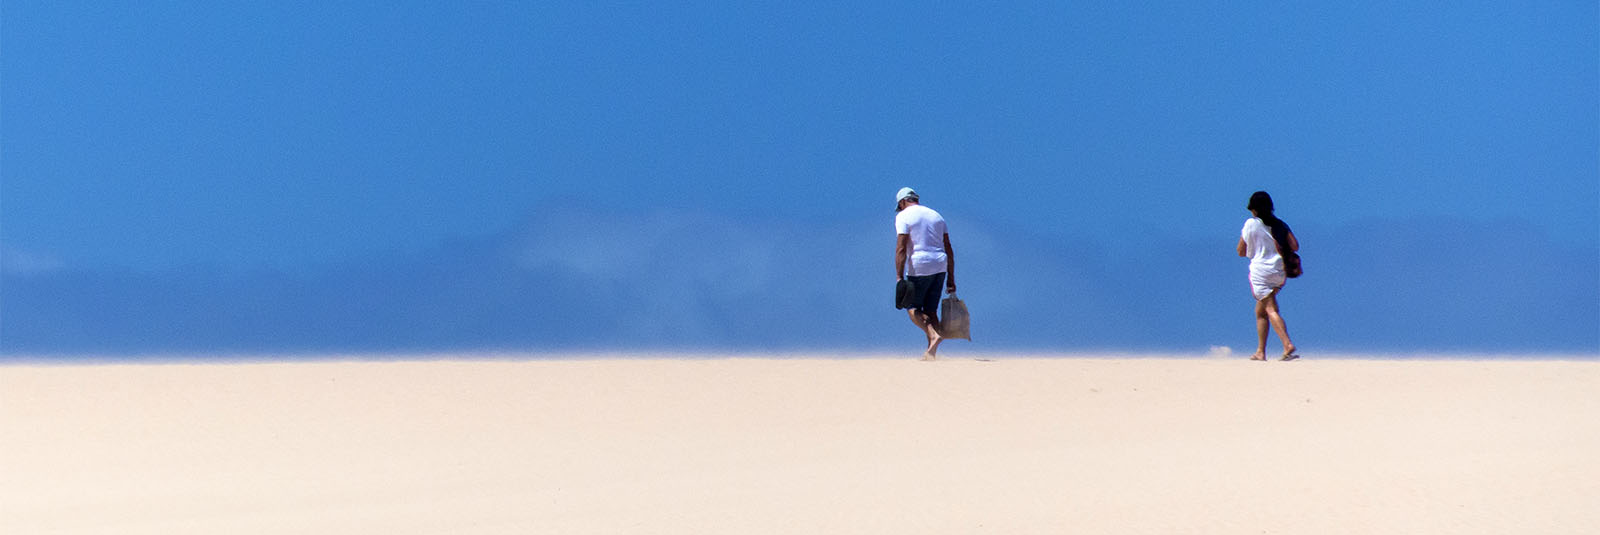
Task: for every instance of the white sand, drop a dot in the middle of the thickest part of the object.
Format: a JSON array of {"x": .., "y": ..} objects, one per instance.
[{"x": 803, "y": 446}]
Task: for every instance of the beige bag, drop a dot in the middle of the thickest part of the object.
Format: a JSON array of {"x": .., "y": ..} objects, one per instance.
[{"x": 956, "y": 323}]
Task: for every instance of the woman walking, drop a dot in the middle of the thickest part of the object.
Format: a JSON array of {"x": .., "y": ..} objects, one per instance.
[{"x": 1266, "y": 240}]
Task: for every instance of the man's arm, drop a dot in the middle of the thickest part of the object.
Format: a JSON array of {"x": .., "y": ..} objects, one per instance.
[
  {"x": 1241, "y": 246},
  {"x": 902, "y": 246},
  {"x": 949, "y": 265},
  {"x": 1294, "y": 243}
]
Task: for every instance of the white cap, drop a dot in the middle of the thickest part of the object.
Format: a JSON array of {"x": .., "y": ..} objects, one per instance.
[{"x": 904, "y": 192}]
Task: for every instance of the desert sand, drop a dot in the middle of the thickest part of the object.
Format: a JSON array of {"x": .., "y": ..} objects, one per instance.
[{"x": 803, "y": 445}]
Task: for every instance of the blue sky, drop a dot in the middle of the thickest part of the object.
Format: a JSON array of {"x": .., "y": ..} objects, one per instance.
[{"x": 285, "y": 177}]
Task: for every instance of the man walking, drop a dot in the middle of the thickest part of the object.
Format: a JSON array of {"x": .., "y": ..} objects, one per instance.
[{"x": 924, "y": 243}]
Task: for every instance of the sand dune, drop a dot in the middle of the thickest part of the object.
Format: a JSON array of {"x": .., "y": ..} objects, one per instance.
[{"x": 745, "y": 446}]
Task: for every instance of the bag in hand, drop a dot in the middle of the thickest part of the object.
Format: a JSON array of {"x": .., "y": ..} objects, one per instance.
[{"x": 956, "y": 323}]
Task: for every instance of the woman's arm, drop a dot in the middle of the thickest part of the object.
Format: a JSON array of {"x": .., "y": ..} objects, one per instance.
[
  {"x": 1294, "y": 244},
  {"x": 1241, "y": 247}
]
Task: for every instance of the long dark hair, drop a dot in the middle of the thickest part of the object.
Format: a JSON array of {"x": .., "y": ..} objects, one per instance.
[{"x": 1261, "y": 204}]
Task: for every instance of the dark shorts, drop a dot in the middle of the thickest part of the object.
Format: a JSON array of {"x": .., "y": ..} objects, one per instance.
[{"x": 923, "y": 294}]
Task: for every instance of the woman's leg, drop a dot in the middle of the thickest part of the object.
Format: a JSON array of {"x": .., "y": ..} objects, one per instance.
[
  {"x": 1261, "y": 331},
  {"x": 1270, "y": 307}
]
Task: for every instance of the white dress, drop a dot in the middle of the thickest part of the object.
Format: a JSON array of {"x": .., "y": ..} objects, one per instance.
[{"x": 1266, "y": 267}]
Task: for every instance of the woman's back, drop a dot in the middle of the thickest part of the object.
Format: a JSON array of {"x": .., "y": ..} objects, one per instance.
[{"x": 1260, "y": 247}]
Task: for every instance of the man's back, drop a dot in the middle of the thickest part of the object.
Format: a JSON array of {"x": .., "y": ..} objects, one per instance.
[{"x": 926, "y": 228}]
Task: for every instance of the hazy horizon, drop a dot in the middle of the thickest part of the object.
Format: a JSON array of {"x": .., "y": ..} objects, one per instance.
[{"x": 307, "y": 179}]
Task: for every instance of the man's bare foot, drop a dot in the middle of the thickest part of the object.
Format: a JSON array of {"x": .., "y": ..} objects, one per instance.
[
  {"x": 933, "y": 347},
  {"x": 1258, "y": 356}
]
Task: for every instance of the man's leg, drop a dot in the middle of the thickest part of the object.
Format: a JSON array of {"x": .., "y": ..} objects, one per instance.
[
  {"x": 919, "y": 321},
  {"x": 931, "y": 321},
  {"x": 930, "y": 330},
  {"x": 930, "y": 312}
]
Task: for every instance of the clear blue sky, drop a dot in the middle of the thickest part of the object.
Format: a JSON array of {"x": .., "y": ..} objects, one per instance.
[{"x": 202, "y": 176}]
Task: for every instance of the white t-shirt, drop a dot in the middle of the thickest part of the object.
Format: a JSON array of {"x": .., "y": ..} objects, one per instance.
[
  {"x": 927, "y": 231},
  {"x": 1260, "y": 247}
]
